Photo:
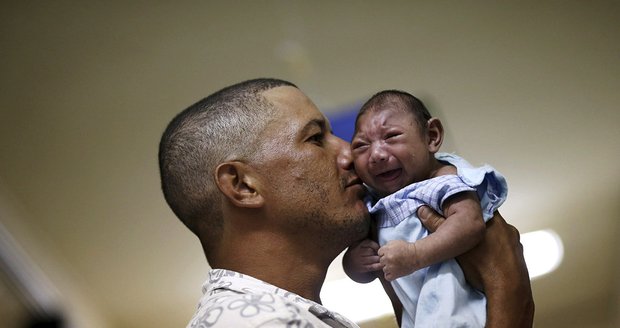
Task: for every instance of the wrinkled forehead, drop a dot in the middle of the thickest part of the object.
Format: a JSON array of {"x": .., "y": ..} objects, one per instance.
[{"x": 387, "y": 112}]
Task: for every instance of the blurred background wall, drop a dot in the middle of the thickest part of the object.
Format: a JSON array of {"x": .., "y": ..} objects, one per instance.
[{"x": 87, "y": 87}]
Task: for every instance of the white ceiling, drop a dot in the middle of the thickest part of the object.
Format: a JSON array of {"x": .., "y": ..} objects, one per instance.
[{"x": 530, "y": 87}]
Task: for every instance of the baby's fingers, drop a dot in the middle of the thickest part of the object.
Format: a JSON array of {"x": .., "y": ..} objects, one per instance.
[{"x": 389, "y": 276}]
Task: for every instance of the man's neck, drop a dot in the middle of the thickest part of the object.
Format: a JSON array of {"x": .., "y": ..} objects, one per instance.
[{"x": 283, "y": 267}]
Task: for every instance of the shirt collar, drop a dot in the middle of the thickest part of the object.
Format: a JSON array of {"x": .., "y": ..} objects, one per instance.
[{"x": 226, "y": 280}]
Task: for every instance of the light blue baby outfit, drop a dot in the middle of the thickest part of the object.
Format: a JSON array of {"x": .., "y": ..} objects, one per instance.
[{"x": 437, "y": 296}]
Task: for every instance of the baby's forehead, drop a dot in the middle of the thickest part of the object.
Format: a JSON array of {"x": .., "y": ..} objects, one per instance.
[
  {"x": 380, "y": 120},
  {"x": 395, "y": 109}
]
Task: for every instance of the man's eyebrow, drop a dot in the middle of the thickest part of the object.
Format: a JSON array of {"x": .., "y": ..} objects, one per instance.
[{"x": 320, "y": 122}]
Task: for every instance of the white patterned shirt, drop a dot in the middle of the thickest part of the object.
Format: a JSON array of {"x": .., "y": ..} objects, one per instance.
[{"x": 233, "y": 299}]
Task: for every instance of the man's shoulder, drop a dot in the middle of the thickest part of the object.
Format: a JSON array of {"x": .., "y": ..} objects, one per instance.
[{"x": 234, "y": 309}]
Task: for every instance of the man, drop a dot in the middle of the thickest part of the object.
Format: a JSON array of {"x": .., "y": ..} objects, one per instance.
[{"x": 255, "y": 172}]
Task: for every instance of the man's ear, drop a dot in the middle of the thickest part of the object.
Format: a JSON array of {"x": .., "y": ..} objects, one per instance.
[
  {"x": 237, "y": 181},
  {"x": 435, "y": 134}
]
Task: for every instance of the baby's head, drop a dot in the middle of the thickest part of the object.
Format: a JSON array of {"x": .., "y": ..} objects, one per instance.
[{"x": 395, "y": 141}]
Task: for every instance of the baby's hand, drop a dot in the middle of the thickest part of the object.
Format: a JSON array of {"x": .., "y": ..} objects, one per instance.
[
  {"x": 398, "y": 258},
  {"x": 362, "y": 257}
]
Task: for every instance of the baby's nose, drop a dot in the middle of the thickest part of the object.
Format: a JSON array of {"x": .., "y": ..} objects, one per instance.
[{"x": 378, "y": 154}]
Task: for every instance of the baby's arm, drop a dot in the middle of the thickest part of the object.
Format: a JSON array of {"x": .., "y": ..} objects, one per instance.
[
  {"x": 463, "y": 229},
  {"x": 360, "y": 261}
]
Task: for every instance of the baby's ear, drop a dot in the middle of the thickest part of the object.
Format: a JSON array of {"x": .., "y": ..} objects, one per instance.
[
  {"x": 238, "y": 182},
  {"x": 435, "y": 134}
]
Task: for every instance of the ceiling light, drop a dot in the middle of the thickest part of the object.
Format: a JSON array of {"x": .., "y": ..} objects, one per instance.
[
  {"x": 543, "y": 251},
  {"x": 357, "y": 302}
]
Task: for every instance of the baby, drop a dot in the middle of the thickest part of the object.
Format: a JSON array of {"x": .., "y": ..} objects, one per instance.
[{"x": 395, "y": 151}]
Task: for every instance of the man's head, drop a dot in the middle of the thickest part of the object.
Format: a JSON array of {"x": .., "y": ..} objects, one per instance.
[
  {"x": 394, "y": 141},
  {"x": 259, "y": 156},
  {"x": 224, "y": 125}
]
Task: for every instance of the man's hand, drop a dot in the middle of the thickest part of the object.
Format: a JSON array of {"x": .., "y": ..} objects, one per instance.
[
  {"x": 361, "y": 261},
  {"x": 497, "y": 267}
]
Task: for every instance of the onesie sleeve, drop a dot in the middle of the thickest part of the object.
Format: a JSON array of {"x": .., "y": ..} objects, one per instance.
[
  {"x": 490, "y": 184},
  {"x": 434, "y": 192}
]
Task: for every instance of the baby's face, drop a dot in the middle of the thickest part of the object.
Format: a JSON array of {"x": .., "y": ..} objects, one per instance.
[{"x": 389, "y": 151}]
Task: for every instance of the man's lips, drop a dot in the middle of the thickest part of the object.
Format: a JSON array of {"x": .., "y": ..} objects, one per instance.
[
  {"x": 356, "y": 186},
  {"x": 353, "y": 181}
]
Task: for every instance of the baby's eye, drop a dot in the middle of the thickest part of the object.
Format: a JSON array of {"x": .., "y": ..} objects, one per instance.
[
  {"x": 392, "y": 135},
  {"x": 358, "y": 145}
]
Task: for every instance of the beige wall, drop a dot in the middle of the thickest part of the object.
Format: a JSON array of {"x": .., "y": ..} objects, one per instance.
[{"x": 86, "y": 88}]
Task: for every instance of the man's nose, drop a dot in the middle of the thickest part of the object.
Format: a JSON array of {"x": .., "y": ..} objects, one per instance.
[{"x": 345, "y": 158}]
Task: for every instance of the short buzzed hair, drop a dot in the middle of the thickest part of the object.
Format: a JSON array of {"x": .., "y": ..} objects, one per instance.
[
  {"x": 397, "y": 99},
  {"x": 223, "y": 126}
]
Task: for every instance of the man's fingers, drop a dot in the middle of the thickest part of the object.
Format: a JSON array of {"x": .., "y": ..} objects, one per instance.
[
  {"x": 375, "y": 267},
  {"x": 370, "y": 259},
  {"x": 370, "y": 244},
  {"x": 429, "y": 218}
]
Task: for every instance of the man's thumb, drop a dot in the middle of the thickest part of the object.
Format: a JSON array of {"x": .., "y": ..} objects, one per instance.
[{"x": 430, "y": 219}]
